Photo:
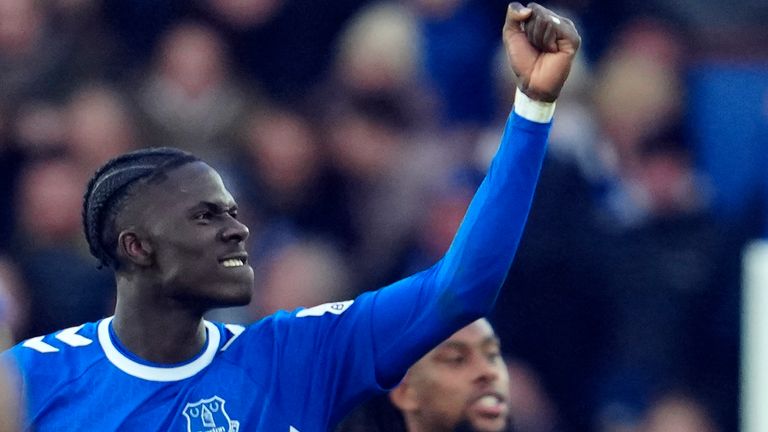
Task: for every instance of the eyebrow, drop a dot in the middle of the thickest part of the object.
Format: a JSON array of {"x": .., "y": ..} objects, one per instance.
[
  {"x": 215, "y": 207},
  {"x": 490, "y": 340}
]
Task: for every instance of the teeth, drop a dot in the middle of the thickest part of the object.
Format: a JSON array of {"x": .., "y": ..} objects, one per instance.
[
  {"x": 488, "y": 401},
  {"x": 233, "y": 262}
]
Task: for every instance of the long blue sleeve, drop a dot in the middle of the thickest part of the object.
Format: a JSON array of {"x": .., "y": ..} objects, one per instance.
[
  {"x": 301, "y": 370},
  {"x": 415, "y": 314}
]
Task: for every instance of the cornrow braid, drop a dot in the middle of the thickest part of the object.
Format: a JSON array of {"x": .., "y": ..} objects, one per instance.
[{"x": 111, "y": 186}]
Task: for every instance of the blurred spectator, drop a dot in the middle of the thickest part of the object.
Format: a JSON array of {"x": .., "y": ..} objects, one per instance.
[
  {"x": 242, "y": 14},
  {"x": 677, "y": 413},
  {"x": 14, "y": 315},
  {"x": 92, "y": 125},
  {"x": 659, "y": 278},
  {"x": 49, "y": 211},
  {"x": 33, "y": 60},
  {"x": 39, "y": 128},
  {"x": 302, "y": 273},
  {"x": 387, "y": 177},
  {"x": 99, "y": 126},
  {"x": 658, "y": 252},
  {"x": 95, "y": 50},
  {"x": 378, "y": 63},
  {"x": 378, "y": 113},
  {"x": 10, "y": 406},
  {"x": 379, "y": 50},
  {"x": 282, "y": 44},
  {"x": 44, "y": 51},
  {"x": 638, "y": 94},
  {"x": 65, "y": 287},
  {"x": 283, "y": 175},
  {"x": 285, "y": 45},
  {"x": 433, "y": 230},
  {"x": 190, "y": 98},
  {"x": 639, "y": 89},
  {"x": 552, "y": 308},
  {"x": 11, "y": 160},
  {"x": 530, "y": 408},
  {"x": 460, "y": 38},
  {"x": 12, "y": 318}
]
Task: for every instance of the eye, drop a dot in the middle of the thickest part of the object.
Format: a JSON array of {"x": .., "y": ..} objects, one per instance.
[
  {"x": 203, "y": 216},
  {"x": 454, "y": 360},
  {"x": 493, "y": 356},
  {"x": 233, "y": 213}
]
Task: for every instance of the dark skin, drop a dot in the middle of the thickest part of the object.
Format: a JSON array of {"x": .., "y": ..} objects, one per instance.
[
  {"x": 540, "y": 47},
  {"x": 444, "y": 388},
  {"x": 175, "y": 236},
  {"x": 175, "y": 233}
]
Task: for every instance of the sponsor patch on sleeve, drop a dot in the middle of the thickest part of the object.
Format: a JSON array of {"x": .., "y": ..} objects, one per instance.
[{"x": 336, "y": 308}]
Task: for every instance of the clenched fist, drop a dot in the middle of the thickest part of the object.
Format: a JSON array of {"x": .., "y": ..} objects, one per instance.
[{"x": 541, "y": 46}]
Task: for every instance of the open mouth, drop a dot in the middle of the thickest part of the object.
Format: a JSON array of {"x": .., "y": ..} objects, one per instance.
[
  {"x": 489, "y": 401},
  {"x": 233, "y": 262},
  {"x": 490, "y": 405}
]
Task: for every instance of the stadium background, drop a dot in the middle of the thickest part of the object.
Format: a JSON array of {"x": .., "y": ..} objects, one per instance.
[{"x": 353, "y": 133}]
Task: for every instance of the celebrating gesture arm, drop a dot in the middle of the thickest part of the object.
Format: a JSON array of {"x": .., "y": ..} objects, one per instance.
[
  {"x": 396, "y": 325},
  {"x": 414, "y": 314}
]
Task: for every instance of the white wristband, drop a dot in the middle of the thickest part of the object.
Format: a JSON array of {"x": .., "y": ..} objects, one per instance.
[{"x": 533, "y": 110}]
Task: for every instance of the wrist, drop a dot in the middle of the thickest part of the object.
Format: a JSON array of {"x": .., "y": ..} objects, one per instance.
[{"x": 533, "y": 110}]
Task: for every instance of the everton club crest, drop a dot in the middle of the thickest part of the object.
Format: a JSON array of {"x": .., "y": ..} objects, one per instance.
[{"x": 209, "y": 415}]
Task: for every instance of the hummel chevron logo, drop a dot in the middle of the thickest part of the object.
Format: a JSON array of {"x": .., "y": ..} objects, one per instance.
[
  {"x": 68, "y": 336},
  {"x": 37, "y": 344},
  {"x": 71, "y": 338}
]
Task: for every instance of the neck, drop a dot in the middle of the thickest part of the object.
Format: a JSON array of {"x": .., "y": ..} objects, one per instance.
[
  {"x": 418, "y": 425},
  {"x": 156, "y": 331}
]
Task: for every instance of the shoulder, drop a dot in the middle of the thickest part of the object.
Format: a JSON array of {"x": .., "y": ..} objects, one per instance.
[
  {"x": 59, "y": 357},
  {"x": 297, "y": 326},
  {"x": 64, "y": 345}
]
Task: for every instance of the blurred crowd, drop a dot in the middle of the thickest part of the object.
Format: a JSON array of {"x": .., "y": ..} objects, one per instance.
[{"x": 353, "y": 134}]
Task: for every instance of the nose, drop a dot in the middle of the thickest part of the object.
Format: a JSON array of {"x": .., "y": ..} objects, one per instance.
[
  {"x": 235, "y": 231},
  {"x": 488, "y": 370}
]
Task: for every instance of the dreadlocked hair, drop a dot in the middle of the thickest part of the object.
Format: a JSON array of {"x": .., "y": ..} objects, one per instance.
[{"x": 111, "y": 187}]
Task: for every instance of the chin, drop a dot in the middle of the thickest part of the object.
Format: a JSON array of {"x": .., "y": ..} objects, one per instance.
[
  {"x": 236, "y": 291},
  {"x": 225, "y": 295},
  {"x": 483, "y": 425},
  {"x": 233, "y": 296}
]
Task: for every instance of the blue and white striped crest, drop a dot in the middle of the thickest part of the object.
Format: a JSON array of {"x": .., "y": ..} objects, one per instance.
[{"x": 209, "y": 415}]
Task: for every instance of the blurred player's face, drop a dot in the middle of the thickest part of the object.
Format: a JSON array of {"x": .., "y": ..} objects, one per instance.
[
  {"x": 196, "y": 242},
  {"x": 462, "y": 381}
]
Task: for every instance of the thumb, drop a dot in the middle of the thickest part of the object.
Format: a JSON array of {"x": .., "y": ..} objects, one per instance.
[{"x": 516, "y": 15}]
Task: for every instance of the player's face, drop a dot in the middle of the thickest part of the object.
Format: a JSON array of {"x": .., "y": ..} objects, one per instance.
[
  {"x": 464, "y": 379},
  {"x": 197, "y": 242}
]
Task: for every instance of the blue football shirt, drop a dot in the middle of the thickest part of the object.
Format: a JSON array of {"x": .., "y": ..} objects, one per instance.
[{"x": 297, "y": 371}]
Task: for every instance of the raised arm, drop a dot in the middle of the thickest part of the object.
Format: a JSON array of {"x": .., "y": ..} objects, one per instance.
[{"x": 413, "y": 315}]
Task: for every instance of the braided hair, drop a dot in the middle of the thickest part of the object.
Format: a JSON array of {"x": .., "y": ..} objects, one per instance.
[{"x": 111, "y": 187}]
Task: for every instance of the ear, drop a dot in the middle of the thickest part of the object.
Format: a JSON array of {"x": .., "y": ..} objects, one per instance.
[
  {"x": 134, "y": 249},
  {"x": 404, "y": 396}
]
